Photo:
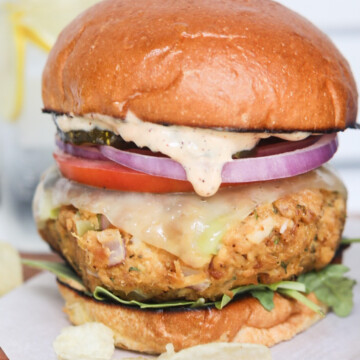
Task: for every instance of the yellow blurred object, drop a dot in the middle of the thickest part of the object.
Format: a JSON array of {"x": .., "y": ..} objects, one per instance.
[
  {"x": 28, "y": 21},
  {"x": 10, "y": 268}
]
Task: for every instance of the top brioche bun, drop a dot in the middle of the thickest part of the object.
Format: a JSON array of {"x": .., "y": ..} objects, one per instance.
[{"x": 244, "y": 65}]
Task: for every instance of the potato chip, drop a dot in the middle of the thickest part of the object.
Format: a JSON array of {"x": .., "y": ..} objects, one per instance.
[
  {"x": 216, "y": 351},
  {"x": 10, "y": 268},
  {"x": 90, "y": 341}
]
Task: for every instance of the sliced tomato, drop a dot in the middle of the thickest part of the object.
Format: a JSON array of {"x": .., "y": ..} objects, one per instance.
[{"x": 109, "y": 175}]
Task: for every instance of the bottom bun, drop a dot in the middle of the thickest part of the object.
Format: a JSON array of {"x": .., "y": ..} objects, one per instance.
[{"x": 150, "y": 330}]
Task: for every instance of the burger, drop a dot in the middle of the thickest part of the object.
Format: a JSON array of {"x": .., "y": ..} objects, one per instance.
[{"x": 190, "y": 200}]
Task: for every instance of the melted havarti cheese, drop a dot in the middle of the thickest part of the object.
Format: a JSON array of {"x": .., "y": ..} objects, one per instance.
[
  {"x": 202, "y": 152},
  {"x": 185, "y": 225}
]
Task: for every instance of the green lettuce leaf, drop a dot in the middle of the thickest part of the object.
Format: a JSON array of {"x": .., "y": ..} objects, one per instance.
[
  {"x": 331, "y": 287},
  {"x": 347, "y": 241}
]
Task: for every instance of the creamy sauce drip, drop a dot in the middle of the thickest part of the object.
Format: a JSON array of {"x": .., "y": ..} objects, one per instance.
[
  {"x": 202, "y": 152},
  {"x": 185, "y": 225}
]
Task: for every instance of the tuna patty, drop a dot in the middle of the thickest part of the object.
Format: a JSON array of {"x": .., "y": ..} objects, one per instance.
[{"x": 279, "y": 240}]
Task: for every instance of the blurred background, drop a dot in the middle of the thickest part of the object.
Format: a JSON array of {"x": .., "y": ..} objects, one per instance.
[{"x": 28, "y": 28}]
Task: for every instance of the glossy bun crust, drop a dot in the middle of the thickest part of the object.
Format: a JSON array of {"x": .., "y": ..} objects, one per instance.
[
  {"x": 149, "y": 331},
  {"x": 245, "y": 65}
]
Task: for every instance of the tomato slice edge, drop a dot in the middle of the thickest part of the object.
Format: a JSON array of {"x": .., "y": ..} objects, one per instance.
[{"x": 109, "y": 175}]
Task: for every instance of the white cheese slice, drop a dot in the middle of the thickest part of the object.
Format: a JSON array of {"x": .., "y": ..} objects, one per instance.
[{"x": 177, "y": 223}]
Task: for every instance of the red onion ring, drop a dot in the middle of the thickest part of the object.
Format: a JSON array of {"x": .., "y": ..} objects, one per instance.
[
  {"x": 283, "y": 165},
  {"x": 284, "y": 146},
  {"x": 157, "y": 166},
  {"x": 316, "y": 152},
  {"x": 262, "y": 168},
  {"x": 88, "y": 152}
]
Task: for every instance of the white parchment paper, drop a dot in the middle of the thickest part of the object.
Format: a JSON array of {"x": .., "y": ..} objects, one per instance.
[{"x": 31, "y": 318}]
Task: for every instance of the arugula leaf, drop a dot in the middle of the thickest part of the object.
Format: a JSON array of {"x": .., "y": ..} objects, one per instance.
[
  {"x": 237, "y": 291},
  {"x": 303, "y": 299},
  {"x": 63, "y": 271},
  {"x": 335, "y": 270},
  {"x": 292, "y": 285},
  {"x": 260, "y": 290},
  {"x": 337, "y": 293},
  {"x": 347, "y": 241},
  {"x": 266, "y": 298},
  {"x": 223, "y": 302},
  {"x": 59, "y": 269},
  {"x": 102, "y": 294},
  {"x": 331, "y": 287}
]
